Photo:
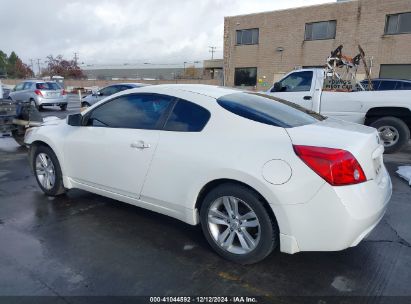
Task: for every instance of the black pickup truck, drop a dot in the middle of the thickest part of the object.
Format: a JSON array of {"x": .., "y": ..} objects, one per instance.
[{"x": 16, "y": 117}]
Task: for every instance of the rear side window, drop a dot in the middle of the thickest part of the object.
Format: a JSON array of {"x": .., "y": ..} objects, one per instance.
[
  {"x": 403, "y": 85},
  {"x": 387, "y": 85},
  {"x": 187, "y": 117},
  {"x": 268, "y": 110}
]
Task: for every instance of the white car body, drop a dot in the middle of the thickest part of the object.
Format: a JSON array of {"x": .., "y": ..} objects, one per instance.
[
  {"x": 168, "y": 175},
  {"x": 362, "y": 107}
]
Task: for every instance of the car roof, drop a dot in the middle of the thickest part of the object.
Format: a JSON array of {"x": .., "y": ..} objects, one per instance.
[
  {"x": 387, "y": 79},
  {"x": 202, "y": 89},
  {"x": 129, "y": 83},
  {"x": 34, "y": 80}
]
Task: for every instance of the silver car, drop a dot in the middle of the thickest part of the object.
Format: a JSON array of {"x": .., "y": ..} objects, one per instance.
[
  {"x": 41, "y": 93},
  {"x": 107, "y": 91}
]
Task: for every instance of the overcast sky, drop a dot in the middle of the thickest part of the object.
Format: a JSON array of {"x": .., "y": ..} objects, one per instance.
[{"x": 123, "y": 31}]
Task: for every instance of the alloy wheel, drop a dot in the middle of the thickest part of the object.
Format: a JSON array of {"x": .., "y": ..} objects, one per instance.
[{"x": 234, "y": 225}]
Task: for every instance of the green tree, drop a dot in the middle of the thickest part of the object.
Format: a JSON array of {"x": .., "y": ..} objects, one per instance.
[
  {"x": 3, "y": 64},
  {"x": 13, "y": 67}
]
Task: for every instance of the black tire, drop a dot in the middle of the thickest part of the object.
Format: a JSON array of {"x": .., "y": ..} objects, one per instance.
[
  {"x": 33, "y": 102},
  {"x": 18, "y": 136},
  {"x": 58, "y": 187},
  {"x": 397, "y": 124},
  {"x": 63, "y": 107},
  {"x": 269, "y": 232}
]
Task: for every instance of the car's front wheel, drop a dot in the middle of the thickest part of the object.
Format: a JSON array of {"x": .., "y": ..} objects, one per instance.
[
  {"x": 237, "y": 224},
  {"x": 47, "y": 170},
  {"x": 63, "y": 107}
]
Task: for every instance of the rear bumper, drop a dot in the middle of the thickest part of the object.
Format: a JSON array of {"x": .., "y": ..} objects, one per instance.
[
  {"x": 52, "y": 101},
  {"x": 335, "y": 218}
]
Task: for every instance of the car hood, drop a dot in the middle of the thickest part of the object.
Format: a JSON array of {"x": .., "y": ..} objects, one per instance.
[{"x": 52, "y": 121}]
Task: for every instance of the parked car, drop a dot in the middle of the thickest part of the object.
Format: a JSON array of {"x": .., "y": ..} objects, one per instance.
[
  {"x": 387, "y": 111},
  {"x": 255, "y": 171},
  {"x": 6, "y": 92},
  {"x": 40, "y": 93},
  {"x": 385, "y": 84},
  {"x": 108, "y": 91}
]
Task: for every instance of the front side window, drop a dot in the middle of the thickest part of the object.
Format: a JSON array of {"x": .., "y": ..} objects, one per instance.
[
  {"x": 248, "y": 36},
  {"x": 135, "y": 111},
  {"x": 19, "y": 87},
  {"x": 320, "y": 30},
  {"x": 245, "y": 77},
  {"x": 268, "y": 110},
  {"x": 187, "y": 117},
  {"x": 297, "y": 82},
  {"x": 27, "y": 85},
  {"x": 398, "y": 24}
]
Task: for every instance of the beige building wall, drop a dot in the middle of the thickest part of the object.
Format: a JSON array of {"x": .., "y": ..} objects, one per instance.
[{"x": 358, "y": 22}]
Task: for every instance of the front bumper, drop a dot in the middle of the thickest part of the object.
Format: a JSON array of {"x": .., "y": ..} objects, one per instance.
[{"x": 335, "y": 218}]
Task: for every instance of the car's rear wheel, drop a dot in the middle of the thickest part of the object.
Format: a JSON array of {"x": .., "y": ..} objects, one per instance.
[
  {"x": 237, "y": 224},
  {"x": 394, "y": 133},
  {"x": 47, "y": 170}
]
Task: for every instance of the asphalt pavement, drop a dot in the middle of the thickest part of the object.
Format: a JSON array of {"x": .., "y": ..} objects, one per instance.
[{"x": 83, "y": 244}]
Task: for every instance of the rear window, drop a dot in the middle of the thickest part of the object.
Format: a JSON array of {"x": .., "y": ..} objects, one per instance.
[
  {"x": 48, "y": 86},
  {"x": 268, "y": 110}
]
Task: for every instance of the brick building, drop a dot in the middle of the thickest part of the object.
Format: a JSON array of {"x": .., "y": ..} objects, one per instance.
[{"x": 260, "y": 48}]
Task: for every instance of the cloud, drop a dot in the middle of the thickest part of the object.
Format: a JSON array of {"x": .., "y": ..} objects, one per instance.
[{"x": 123, "y": 31}]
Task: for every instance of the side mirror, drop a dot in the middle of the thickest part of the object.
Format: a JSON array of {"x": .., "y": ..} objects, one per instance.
[
  {"x": 278, "y": 87},
  {"x": 74, "y": 120}
]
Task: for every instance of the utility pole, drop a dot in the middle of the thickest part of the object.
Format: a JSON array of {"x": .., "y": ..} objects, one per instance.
[
  {"x": 38, "y": 65},
  {"x": 76, "y": 57},
  {"x": 32, "y": 64},
  {"x": 212, "y": 51}
]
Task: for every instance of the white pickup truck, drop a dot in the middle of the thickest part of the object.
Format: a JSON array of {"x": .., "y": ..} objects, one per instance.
[{"x": 387, "y": 111}]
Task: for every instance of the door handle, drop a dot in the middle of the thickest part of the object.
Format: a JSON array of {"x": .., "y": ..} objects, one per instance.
[
  {"x": 140, "y": 145},
  {"x": 307, "y": 98}
]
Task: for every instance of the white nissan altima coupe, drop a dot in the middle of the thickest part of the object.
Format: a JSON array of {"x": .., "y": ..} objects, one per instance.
[{"x": 255, "y": 171}]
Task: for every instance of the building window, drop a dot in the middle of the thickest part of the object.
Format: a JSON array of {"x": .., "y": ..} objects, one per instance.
[
  {"x": 320, "y": 30},
  {"x": 245, "y": 77},
  {"x": 249, "y": 36},
  {"x": 398, "y": 24}
]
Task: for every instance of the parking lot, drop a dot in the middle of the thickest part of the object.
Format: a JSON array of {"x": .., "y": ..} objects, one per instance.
[{"x": 84, "y": 244}]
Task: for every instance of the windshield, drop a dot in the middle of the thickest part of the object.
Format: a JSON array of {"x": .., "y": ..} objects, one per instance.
[
  {"x": 268, "y": 110},
  {"x": 47, "y": 86}
]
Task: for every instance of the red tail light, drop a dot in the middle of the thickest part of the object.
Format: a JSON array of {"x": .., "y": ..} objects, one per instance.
[
  {"x": 338, "y": 167},
  {"x": 38, "y": 92},
  {"x": 63, "y": 92}
]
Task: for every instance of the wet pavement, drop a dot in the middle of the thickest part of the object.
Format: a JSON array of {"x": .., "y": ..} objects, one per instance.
[{"x": 84, "y": 244}]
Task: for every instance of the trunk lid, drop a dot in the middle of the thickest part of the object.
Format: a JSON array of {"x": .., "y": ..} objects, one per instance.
[{"x": 361, "y": 141}]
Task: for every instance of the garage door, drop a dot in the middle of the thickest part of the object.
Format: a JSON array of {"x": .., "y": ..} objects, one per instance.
[{"x": 398, "y": 71}]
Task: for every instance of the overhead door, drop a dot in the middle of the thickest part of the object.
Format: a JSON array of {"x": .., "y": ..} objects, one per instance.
[{"x": 398, "y": 71}]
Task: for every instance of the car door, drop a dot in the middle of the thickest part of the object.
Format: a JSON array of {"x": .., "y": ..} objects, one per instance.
[
  {"x": 297, "y": 87},
  {"x": 112, "y": 151},
  {"x": 16, "y": 94},
  {"x": 177, "y": 165}
]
